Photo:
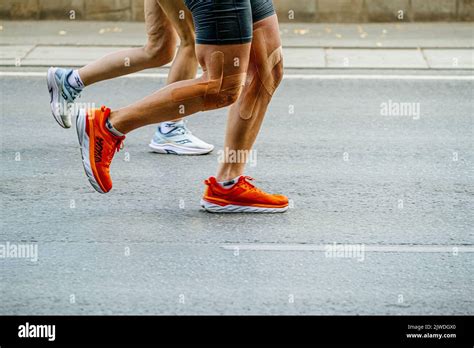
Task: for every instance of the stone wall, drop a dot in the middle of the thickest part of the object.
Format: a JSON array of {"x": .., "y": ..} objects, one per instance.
[{"x": 341, "y": 11}]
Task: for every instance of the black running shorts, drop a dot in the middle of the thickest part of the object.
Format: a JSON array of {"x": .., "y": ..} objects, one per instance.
[{"x": 224, "y": 22}]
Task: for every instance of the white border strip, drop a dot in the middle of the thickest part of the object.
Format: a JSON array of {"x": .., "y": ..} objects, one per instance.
[
  {"x": 393, "y": 248},
  {"x": 378, "y": 77},
  {"x": 286, "y": 76}
]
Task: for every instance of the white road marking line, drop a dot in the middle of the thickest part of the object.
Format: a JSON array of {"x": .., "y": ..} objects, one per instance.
[
  {"x": 377, "y": 77},
  {"x": 285, "y": 77},
  {"x": 393, "y": 248}
]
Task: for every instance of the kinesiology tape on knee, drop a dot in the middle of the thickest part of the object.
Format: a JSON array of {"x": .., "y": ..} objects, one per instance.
[
  {"x": 217, "y": 91},
  {"x": 266, "y": 78}
]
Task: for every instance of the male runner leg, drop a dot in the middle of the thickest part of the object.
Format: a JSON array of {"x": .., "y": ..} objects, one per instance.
[
  {"x": 224, "y": 32},
  {"x": 163, "y": 18},
  {"x": 224, "y": 192}
]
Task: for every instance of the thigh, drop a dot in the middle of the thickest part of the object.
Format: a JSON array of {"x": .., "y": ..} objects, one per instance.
[
  {"x": 265, "y": 70},
  {"x": 180, "y": 17},
  {"x": 158, "y": 26},
  {"x": 266, "y": 34}
]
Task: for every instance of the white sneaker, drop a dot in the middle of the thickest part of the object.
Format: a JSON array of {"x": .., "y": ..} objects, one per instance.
[
  {"x": 62, "y": 95},
  {"x": 179, "y": 141}
]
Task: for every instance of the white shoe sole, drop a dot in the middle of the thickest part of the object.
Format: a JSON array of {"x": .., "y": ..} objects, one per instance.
[
  {"x": 177, "y": 150},
  {"x": 215, "y": 208},
  {"x": 61, "y": 117},
  {"x": 81, "y": 120}
]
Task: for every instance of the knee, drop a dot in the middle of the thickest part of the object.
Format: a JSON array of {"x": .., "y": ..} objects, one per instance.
[
  {"x": 227, "y": 93},
  {"x": 272, "y": 73},
  {"x": 160, "y": 51},
  {"x": 278, "y": 72},
  {"x": 217, "y": 88},
  {"x": 234, "y": 96},
  {"x": 236, "y": 91},
  {"x": 224, "y": 82},
  {"x": 268, "y": 72},
  {"x": 211, "y": 93}
]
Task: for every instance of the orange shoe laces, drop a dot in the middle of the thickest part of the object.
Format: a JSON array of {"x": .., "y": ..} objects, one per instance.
[
  {"x": 119, "y": 143},
  {"x": 248, "y": 184},
  {"x": 245, "y": 184},
  {"x": 118, "y": 146}
]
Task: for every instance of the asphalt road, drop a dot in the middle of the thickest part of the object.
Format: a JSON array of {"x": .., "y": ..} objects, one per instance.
[{"x": 400, "y": 186}]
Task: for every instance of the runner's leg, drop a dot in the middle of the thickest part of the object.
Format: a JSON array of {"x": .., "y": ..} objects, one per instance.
[
  {"x": 185, "y": 98},
  {"x": 185, "y": 64},
  {"x": 223, "y": 53},
  {"x": 232, "y": 192},
  {"x": 174, "y": 137},
  {"x": 65, "y": 85},
  {"x": 246, "y": 115},
  {"x": 158, "y": 51}
]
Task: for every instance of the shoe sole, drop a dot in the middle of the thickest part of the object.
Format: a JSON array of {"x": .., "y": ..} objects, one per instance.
[
  {"x": 231, "y": 208},
  {"x": 177, "y": 150},
  {"x": 63, "y": 120},
  {"x": 83, "y": 138}
]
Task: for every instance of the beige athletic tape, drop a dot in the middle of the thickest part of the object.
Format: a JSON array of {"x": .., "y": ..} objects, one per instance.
[
  {"x": 265, "y": 73},
  {"x": 264, "y": 80},
  {"x": 215, "y": 93}
]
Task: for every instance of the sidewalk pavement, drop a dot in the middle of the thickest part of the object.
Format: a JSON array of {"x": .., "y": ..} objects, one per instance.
[{"x": 306, "y": 45}]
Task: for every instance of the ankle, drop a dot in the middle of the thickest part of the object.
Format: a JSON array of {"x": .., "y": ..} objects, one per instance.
[
  {"x": 74, "y": 80},
  {"x": 111, "y": 128},
  {"x": 114, "y": 121},
  {"x": 226, "y": 175}
]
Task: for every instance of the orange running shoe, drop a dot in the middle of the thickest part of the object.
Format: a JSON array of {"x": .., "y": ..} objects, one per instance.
[
  {"x": 98, "y": 146},
  {"x": 243, "y": 197}
]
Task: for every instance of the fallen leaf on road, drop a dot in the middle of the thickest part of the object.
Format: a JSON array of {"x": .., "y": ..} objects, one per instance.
[
  {"x": 301, "y": 31},
  {"x": 62, "y": 32},
  {"x": 110, "y": 30}
]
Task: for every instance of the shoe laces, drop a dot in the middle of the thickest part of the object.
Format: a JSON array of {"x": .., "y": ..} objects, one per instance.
[
  {"x": 180, "y": 129},
  {"x": 73, "y": 92},
  {"x": 118, "y": 146},
  {"x": 247, "y": 184},
  {"x": 118, "y": 141},
  {"x": 244, "y": 183}
]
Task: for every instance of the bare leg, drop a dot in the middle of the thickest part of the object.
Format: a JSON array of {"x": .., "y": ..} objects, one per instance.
[
  {"x": 243, "y": 127},
  {"x": 158, "y": 51},
  {"x": 183, "y": 98},
  {"x": 185, "y": 64}
]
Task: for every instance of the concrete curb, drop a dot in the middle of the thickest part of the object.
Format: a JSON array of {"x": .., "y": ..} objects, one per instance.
[
  {"x": 295, "y": 58},
  {"x": 306, "y": 45}
]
